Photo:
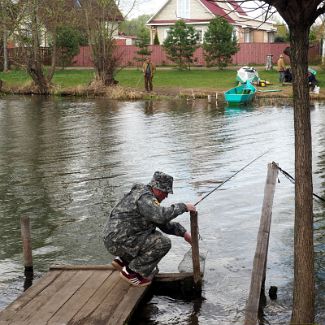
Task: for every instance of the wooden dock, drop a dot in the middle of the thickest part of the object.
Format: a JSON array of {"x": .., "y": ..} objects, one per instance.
[{"x": 79, "y": 294}]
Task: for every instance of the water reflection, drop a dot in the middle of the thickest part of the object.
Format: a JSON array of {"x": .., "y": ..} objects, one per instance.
[{"x": 64, "y": 163}]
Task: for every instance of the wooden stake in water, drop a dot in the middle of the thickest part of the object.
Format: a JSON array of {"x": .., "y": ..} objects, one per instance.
[
  {"x": 195, "y": 252},
  {"x": 260, "y": 259},
  {"x": 27, "y": 245}
]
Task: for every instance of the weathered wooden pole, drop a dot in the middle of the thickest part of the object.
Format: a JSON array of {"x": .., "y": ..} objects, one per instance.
[
  {"x": 27, "y": 251},
  {"x": 195, "y": 253},
  {"x": 260, "y": 258}
]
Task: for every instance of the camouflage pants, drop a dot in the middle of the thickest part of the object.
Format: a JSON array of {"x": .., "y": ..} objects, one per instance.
[{"x": 155, "y": 247}]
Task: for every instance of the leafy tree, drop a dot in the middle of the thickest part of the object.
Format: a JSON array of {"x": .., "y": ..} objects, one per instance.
[
  {"x": 219, "y": 43},
  {"x": 9, "y": 16},
  {"x": 67, "y": 42},
  {"x": 101, "y": 18},
  {"x": 143, "y": 43},
  {"x": 282, "y": 34},
  {"x": 156, "y": 40},
  {"x": 134, "y": 26},
  {"x": 181, "y": 43}
]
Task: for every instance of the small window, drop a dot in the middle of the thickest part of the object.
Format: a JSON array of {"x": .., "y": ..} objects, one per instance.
[
  {"x": 166, "y": 32},
  {"x": 200, "y": 35},
  {"x": 183, "y": 8},
  {"x": 270, "y": 37},
  {"x": 247, "y": 36}
]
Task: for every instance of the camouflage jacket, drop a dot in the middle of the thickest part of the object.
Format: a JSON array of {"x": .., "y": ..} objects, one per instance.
[{"x": 136, "y": 216}]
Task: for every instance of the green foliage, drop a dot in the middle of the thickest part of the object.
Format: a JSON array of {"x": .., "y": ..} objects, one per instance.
[
  {"x": 67, "y": 40},
  {"x": 134, "y": 26},
  {"x": 143, "y": 43},
  {"x": 181, "y": 43},
  {"x": 156, "y": 40},
  {"x": 219, "y": 43},
  {"x": 282, "y": 34}
]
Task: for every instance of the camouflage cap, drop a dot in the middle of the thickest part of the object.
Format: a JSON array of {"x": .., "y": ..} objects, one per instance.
[{"x": 162, "y": 182}]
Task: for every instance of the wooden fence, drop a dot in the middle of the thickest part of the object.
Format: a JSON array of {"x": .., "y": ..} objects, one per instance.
[{"x": 249, "y": 54}]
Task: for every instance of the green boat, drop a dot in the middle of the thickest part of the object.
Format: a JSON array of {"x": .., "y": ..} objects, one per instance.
[{"x": 242, "y": 94}]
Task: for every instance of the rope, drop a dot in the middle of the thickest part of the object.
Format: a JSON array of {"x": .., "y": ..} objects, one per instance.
[{"x": 292, "y": 180}]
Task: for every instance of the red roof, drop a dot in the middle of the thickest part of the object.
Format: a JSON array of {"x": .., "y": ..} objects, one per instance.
[
  {"x": 237, "y": 7},
  {"x": 216, "y": 10}
]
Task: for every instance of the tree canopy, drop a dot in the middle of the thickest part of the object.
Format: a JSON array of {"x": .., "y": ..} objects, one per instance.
[
  {"x": 181, "y": 43},
  {"x": 219, "y": 43}
]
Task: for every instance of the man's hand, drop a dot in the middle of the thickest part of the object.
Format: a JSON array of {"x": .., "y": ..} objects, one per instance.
[
  {"x": 188, "y": 237},
  {"x": 190, "y": 207}
]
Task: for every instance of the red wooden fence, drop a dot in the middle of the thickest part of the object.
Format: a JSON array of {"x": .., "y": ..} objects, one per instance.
[{"x": 249, "y": 54}]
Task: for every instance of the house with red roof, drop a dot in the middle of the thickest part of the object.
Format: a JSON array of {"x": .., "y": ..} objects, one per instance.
[{"x": 198, "y": 13}]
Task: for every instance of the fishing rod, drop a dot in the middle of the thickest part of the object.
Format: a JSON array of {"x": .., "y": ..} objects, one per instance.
[
  {"x": 292, "y": 180},
  {"x": 205, "y": 196}
]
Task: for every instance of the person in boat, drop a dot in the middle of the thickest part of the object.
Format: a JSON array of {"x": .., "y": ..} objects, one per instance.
[
  {"x": 131, "y": 232},
  {"x": 148, "y": 70},
  {"x": 281, "y": 68}
]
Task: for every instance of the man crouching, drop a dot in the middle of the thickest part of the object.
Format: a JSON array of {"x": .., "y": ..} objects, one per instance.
[{"x": 130, "y": 231}]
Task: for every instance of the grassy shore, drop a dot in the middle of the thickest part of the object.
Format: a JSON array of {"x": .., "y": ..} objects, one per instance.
[{"x": 167, "y": 80}]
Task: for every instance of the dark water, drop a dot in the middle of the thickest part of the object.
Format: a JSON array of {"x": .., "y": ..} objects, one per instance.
[{"x": 65, "y": 162}]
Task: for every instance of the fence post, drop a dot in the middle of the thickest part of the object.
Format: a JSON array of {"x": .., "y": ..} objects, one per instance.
[
  {"x": 195, "y": 253},
  {"x": 27, "y": 251},
  {"x": 260, "y": 258}
]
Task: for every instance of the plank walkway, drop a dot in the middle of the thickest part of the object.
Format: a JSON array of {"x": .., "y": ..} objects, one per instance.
[{"x": 75, "y": 295}]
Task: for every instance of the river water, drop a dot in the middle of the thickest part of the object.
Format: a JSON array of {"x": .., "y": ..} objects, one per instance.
[{"x": 65, "y": 162}]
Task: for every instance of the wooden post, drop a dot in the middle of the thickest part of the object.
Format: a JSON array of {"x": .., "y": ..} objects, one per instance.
[
  {"x": 27, "y": 246},
  {"x": 195, "y": 253},
  {"x": 260, "y": 258}
]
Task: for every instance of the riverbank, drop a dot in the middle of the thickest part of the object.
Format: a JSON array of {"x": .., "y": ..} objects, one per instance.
[{"x": 168, "y": 83}]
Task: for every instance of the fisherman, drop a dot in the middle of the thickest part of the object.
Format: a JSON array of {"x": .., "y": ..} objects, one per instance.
[
  {"x": 148, "y": 70},
  {"x": 130, "y": 232},
  {"x": 281, "y": 68}
]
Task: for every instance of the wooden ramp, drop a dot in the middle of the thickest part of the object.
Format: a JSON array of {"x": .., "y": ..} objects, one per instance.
[{"x": 75, "y": 295}]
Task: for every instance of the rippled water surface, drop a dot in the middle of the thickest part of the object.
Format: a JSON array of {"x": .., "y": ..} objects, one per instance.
[{"x": 65, "y": 162}]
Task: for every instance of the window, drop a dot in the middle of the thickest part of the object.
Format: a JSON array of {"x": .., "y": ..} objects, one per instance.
[
  {"x": 166, "y": 32},
  {"x": 247, "y": 35},
  {"x": 270, "y": 37},
  {"x": 235, "y": 34},
  {"x": 200, "y": 35},
  {"x": 183, "y": 8}
]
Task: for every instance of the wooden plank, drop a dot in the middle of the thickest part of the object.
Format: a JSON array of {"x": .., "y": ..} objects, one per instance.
[
  {"x": 85, "y": 313},
  {"x": 50, "y": 306},
  {"x": 127, "y": 306},
  {"x": 28, "y": 295},
  {"x": 103, "y": 312},
  {"x": 259, "y": 264},
  {"x": 82, "y": 295},
  {"x": 195, "y": 252},
  {"x": 171, "y": 277},
  {"x": 32, "y": 307},
  {"x": 82, "y": 267}
]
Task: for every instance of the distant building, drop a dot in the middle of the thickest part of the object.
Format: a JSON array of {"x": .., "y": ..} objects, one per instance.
[
  {"x": 199, "y": 13},
  {"x": 122, "y": 39}
]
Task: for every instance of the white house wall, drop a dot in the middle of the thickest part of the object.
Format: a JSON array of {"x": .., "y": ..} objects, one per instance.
[{"x": 197, "y": 11}]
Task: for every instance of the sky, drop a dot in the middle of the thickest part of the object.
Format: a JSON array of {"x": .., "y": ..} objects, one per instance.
[{"x": 142, "y": 7}]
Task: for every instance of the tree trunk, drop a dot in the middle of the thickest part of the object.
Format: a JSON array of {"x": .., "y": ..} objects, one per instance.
[
  {"x": 5, "y": 51},
  {"x": 34, "y": 60},
  {"x": 304, "y": 282}
]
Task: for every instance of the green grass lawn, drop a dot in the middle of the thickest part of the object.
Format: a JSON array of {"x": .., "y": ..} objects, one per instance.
[{"x": 205, "y": 78}]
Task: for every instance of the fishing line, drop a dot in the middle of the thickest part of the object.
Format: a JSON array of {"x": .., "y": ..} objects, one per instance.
[
  {"x": 229, "y": 178},
  {"x": 292, "y": 180}
]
